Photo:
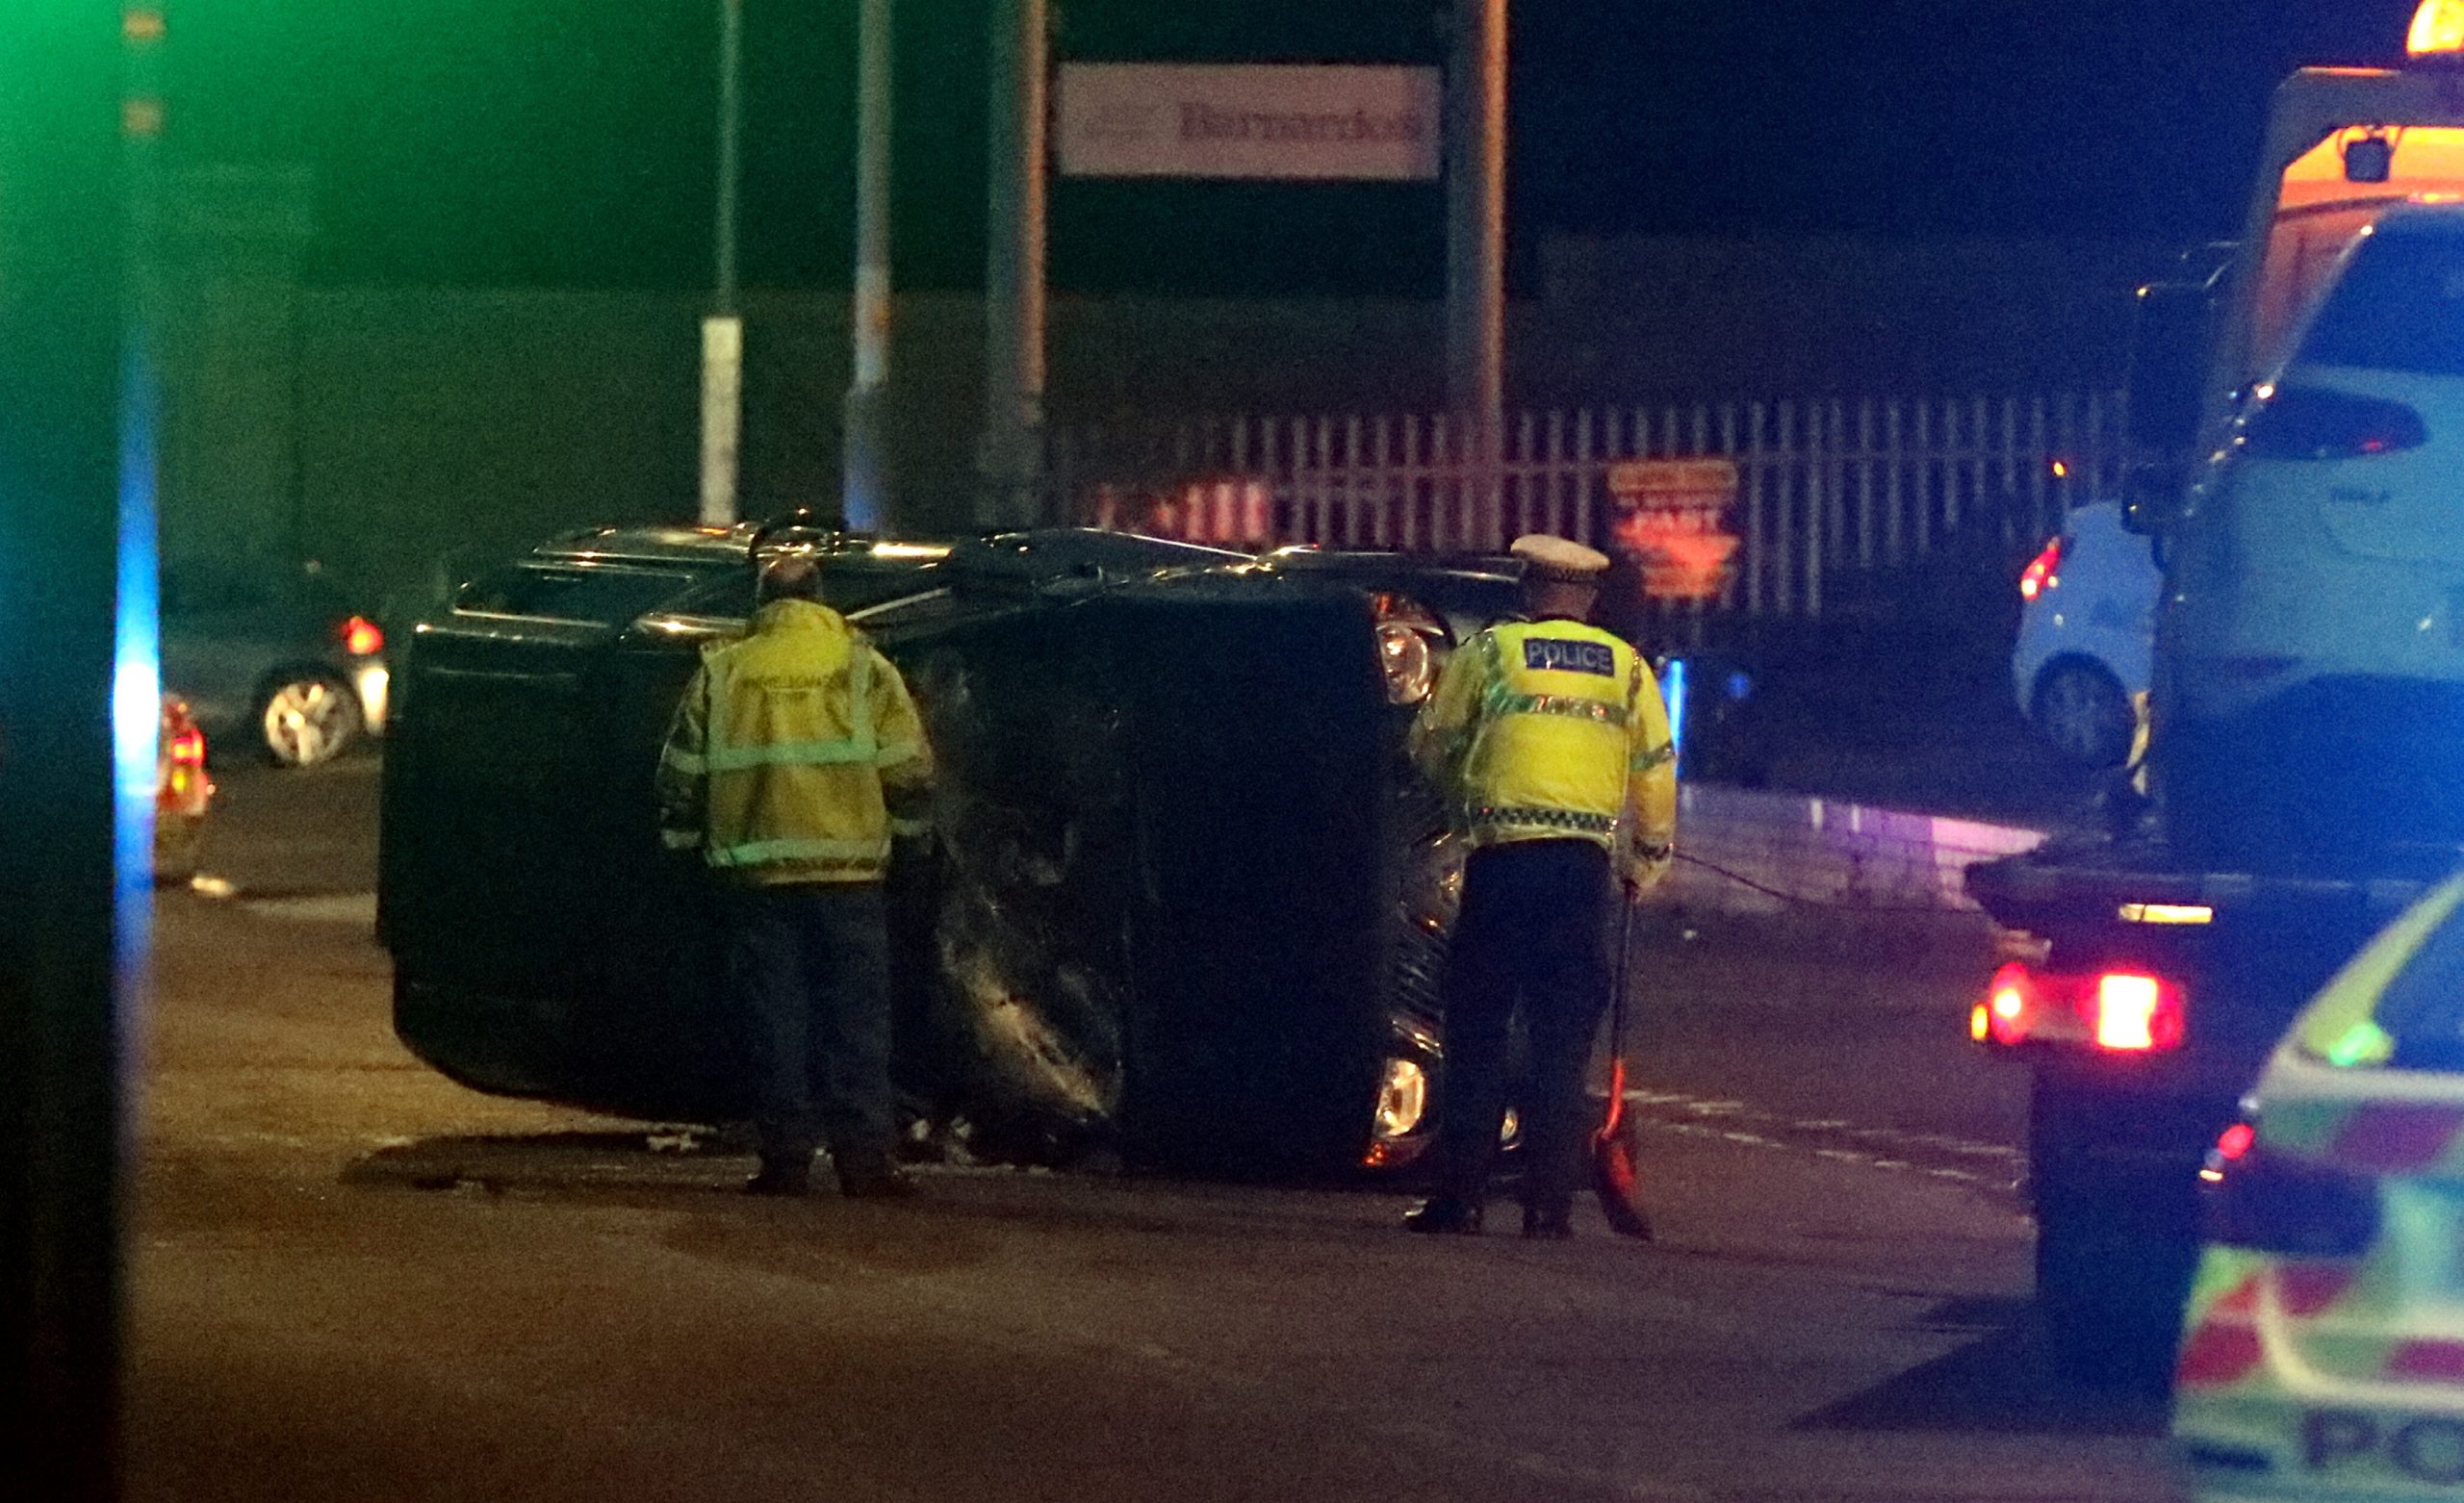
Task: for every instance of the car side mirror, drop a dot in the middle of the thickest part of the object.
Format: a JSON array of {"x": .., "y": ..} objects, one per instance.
[{"x": 2152, "y": 497}]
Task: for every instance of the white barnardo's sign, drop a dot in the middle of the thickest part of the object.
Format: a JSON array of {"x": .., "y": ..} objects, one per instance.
[{"x": 1318, "y": 124}]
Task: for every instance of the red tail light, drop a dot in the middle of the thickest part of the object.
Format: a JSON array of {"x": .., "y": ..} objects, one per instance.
[
  {"x": 2270, "y": 1204},
  {"x": 2122, "y": 1012},
  {"x": 2043, "y": 572},
  {"x": 2311, "y": 424},
  {"x": 362, "y": 637}
]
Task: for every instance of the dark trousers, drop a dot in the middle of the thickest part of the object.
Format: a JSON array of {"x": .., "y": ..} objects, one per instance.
[
  {"x": 1533, "y": 917},
  {"x": 808, "y": 970}
]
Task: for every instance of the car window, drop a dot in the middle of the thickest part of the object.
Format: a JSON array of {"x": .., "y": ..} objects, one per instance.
[
  {"x": 2421, "y": 1008},
  {"x": 592, "y": 593},
  {"x": 2399, "y": 307}
]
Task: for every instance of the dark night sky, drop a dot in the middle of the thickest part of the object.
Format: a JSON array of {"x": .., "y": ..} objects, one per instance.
[{"x": 569, "y": 142}]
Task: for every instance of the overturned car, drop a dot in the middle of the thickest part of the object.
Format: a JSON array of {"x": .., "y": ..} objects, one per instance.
[{"x": 1185, "y": 902}]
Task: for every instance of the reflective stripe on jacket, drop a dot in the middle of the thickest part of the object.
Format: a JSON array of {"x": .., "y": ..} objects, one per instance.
[
  {"x": 789, "y": 751},
  {"x": 1541, "y": 731}
]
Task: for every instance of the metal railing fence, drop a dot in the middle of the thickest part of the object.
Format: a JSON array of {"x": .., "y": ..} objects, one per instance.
[{"x": 1829, "y": 490}]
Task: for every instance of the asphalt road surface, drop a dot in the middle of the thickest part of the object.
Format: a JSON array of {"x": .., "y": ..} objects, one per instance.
[{"x": 354, "y": 1281}]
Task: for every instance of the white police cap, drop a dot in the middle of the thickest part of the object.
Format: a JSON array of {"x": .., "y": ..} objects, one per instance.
[{"x": 1559, "y": 559}]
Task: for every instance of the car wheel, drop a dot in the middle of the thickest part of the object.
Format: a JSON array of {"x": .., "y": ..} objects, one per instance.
[
  {"x": 2081, "y": 711},
  {"x": 307, "y": 718}
]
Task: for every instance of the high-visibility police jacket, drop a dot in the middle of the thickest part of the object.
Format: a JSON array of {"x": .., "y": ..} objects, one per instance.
[
  {"x": 1550, "y": 729},
  {"x": 791, "y": 751}
]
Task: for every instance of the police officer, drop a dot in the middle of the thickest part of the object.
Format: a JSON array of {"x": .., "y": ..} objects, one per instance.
[
  {"x": 794, "y": 756},
  {"x": 1550, "y": 742}
]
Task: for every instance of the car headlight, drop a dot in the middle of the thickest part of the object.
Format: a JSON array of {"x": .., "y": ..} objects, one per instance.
[
  {"x": 1402, "y": 1100},
  {"x": 1410, "y": 661},
  {"x": 1411, "y": 647}
]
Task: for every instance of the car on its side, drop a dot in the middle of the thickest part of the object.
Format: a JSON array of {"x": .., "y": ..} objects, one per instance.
[
  {"x": 283, "y": 669},
  {"x": 2322, "y": 1350},
  {"x": 2087, "y": 632},
  {"x": 1185, "y": 904}
]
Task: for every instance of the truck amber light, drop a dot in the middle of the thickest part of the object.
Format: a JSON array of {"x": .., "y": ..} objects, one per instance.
[
  {"x": 2438, "y": 30},
  {"x": 2137, "y": 1013},
  {"x": 2043, "y": 572},
  {"x": 362, "y": 637},
  {"x": 2167, "y": 913}
]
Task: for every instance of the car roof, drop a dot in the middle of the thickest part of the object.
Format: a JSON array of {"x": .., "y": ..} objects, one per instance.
[{"x": 2425, "y": 213}]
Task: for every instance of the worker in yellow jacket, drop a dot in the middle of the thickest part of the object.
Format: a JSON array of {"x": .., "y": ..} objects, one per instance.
[
  {"x": 794, "y": 757},
  {"x": 1550, "y": 742}
]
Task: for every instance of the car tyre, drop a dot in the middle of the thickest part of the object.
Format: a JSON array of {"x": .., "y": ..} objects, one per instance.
[
  {"x": 307, "y": 718},
  {"x": 2081, "y": 712}
]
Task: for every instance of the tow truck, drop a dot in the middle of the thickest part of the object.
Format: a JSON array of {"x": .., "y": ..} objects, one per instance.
[{"x": 2165, "y": 952}]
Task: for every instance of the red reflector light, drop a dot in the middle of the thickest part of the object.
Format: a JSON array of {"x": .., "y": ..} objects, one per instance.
[
  {"x": 2006, "y": 1011},
  {"x": 2042, "y": 571},
  {"x": 362, "y": 637},
  {"x": 2123, "y": 1011}
]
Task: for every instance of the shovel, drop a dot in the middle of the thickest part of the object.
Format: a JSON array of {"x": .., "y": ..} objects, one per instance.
[{"x": 1612, "y": 1148}]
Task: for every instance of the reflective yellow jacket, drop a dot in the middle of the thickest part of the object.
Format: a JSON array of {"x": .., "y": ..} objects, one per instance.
[
  {"x": 1542, "y": 731},
  {"x": 790, "y": 749}
]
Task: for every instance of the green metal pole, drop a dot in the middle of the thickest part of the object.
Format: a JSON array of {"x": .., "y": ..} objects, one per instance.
[
  {"x": 723, "y": 330},
  {"x": 64, "y": 170}
]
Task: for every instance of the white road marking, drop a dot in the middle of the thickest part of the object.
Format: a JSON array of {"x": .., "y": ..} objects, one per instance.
[
  {"x": 1997, "y": 1166},
  {"x": 340, "y": 907}
]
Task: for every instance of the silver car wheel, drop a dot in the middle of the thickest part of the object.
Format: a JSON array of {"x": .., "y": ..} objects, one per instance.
[
  {"x": 308, "y": 720},
  {"x": 2081, "y": 711}
]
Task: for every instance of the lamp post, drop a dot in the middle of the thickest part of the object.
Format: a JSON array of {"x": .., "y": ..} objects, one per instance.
[
  {"x": 1011, "y": 459},
  {"x": 723, "y": 330},
  {"x": 866, "y": 495},
  {"x": 1475, "y": 238}
]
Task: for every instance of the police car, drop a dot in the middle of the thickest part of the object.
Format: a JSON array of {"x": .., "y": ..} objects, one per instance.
[{"x": 2323, "y": 1349}]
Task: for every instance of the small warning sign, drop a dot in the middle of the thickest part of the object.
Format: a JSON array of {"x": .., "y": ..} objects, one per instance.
[{"x": 1673, "y": 523}]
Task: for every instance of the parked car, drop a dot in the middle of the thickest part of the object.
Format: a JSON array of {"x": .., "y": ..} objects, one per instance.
[
  {"x": 183, "y": 792},
  {"x": 285, "y": 670},
  {"x": 2087, "y": 632},
  {"x": 2315, "y": 603},
  {"x": 2321, "y": 1354},
  {"x": 1188, "y": 903}
]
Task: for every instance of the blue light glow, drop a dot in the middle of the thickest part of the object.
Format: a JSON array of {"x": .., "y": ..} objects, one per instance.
[
  {"x": 137, "y": 663},
  {"x": 1672, "y": 689}
]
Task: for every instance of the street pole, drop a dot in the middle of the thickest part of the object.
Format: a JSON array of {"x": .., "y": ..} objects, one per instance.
[
  {"x": 867, "y": 499},
  {"x": 1010, "y": 458},
  {"x": 1476, "y": 244},
  {"x": 722, "y": 331},
  {"x": 77, "y": 133}
]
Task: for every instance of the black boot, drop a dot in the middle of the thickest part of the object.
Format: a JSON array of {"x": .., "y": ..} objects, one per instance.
[
  {"x": 1446, "y": 1213},
  {"x": 872, "y": 1176},
  {"x": 781, "y": 1177},
  {"x": 1553, "y": 1223}
]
